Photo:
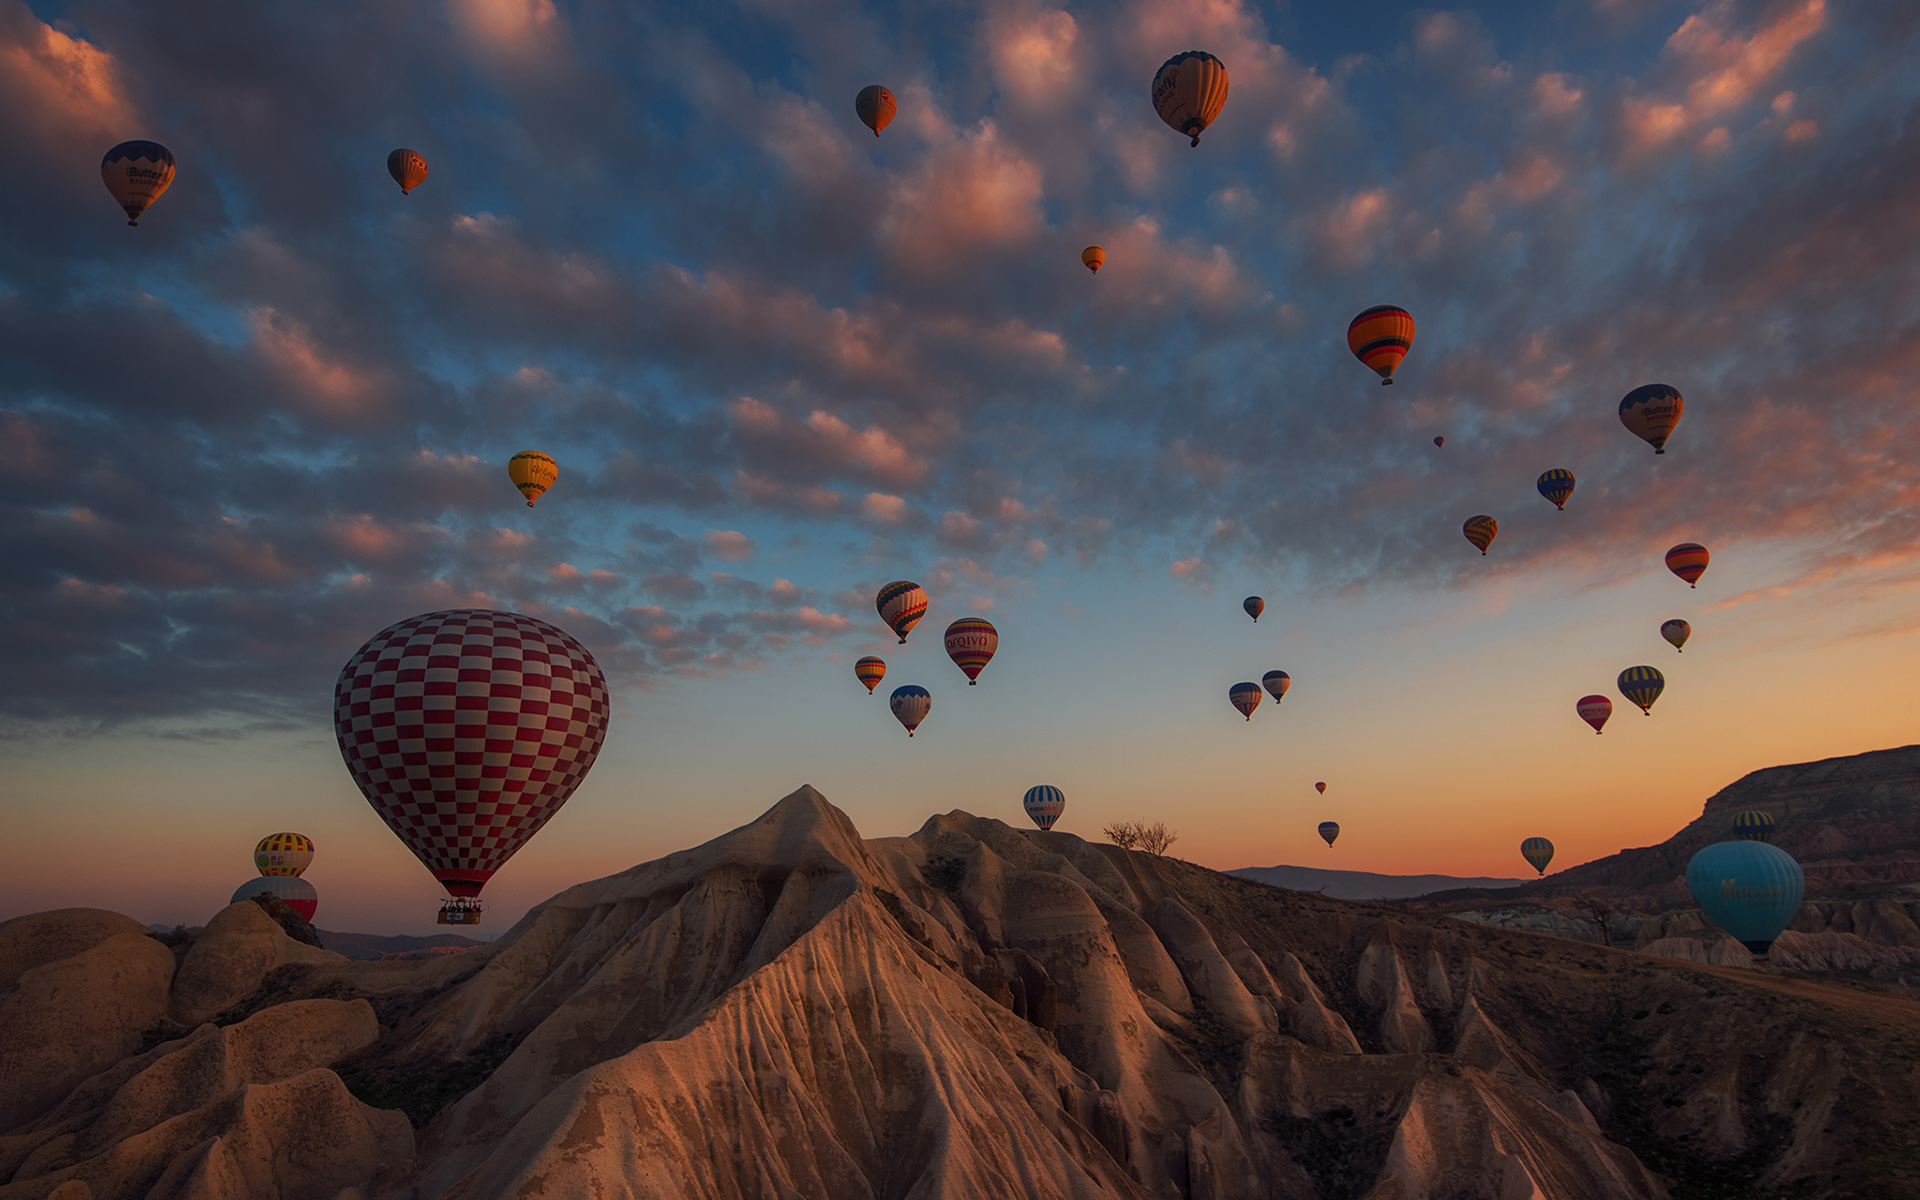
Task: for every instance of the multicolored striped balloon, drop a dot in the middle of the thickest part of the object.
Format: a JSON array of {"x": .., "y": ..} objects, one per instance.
[
  {"x": 1594, "y": 710},
  {"x": 1481, "y": 531},
  {"x": 1677, "y": 632},
  {"x": 1752, "y": 826},
  {"x": 901, "y": 604},
  {"x": 1650, "y": 412},
  {"x": 1329, "y": 830},
  {"x": 1044, "y": 804},
  {"x": 870, "y": 671},
  {"x": 1277, "y": 683},
  {"x": 1092, "y": 258},
  {"x": 1245, "y": 697},
  {"x": 971, "y": 642},
  {"x": 1643, "y": 686},
  {"x": 1537, "y": 851},
  {"x": 910, "y": 704},
  {"x": 1688, "y": 560},
  {"x": 1556, "y": 485},
  {"x": 1380, "y": 337},
  {"x": 1254, "y": 606},
  {"x": 283, "y": 854}
]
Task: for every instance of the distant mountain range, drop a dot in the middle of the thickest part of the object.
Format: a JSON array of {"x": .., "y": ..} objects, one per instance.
[
  {"x": 362, "y": 946},
  {"x": 1365, "y": 885}
]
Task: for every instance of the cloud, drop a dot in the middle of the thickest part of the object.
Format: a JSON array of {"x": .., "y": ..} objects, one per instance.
[{"x": 730, "y": 544}]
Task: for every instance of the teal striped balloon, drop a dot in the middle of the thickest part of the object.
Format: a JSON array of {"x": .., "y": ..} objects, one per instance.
[{"x": 1750, "y": 889}]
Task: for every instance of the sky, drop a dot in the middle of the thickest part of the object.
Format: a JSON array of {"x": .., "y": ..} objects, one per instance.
[{"x": 781, "y": 362}]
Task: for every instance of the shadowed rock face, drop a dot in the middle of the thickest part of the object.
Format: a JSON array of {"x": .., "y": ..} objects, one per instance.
[{"x": 791, "y": 1011}]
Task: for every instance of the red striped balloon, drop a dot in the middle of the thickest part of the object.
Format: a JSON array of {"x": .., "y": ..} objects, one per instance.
[
  {"x": 466, "y": 731},
  {"x": 971, "y": 642},
  {"x": 1245, "y": 697},
  {"x": 1380, "y": 337},
  {"x": 1688, "y": 560},
  {"x": 870, "y": 671},
  {"x": 1594, "y": 710}
]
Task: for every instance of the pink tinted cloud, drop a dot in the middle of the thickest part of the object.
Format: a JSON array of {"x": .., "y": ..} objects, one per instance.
[
  {"x": 730, "y": 544},
  {"x": 1716, "y": 68},
  {"x": 975, "y": 193}
]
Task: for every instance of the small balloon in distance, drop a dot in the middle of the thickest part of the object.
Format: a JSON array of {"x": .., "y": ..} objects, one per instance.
[
  {"x": 875, "y": 106},
  {"x": 1643, "y": 686},
  {"x": 1557, "y": 486},
  {"x": 1594, "y": 710},
  {"x": 1321, "y": 788},
  {"x": 408, "y": 169},
  {"x": 1677, "y": 632},
  {"x": 1329, "y": 830},
  {"x": 1254, "y": 606},
  {"x": 1277, "y": 683},
  {"x": 1245, "y": 697},
  {"x": 1439, "y": 441},
  {"x": 1650, "y": 413},
  {"x": 910, "y": 705},
  {"x": 533, "y": 473},
  {"x": 1093, "y": 257},
  {"x": 870, "y": 671},
  {"x": 1044, "y": 804},
  {"x": 1538, "y": 852},
  {"x": 1380, "y": 338},
  {"x": 901, "y": 604},
  {"x": 1481, "y": 531}
]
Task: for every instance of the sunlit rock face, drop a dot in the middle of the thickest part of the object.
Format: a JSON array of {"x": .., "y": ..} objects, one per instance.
[{"x": 974, "y": 1011}]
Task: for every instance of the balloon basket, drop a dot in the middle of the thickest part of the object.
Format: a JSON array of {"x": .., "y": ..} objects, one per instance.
[{"x": 459, "y": 912}]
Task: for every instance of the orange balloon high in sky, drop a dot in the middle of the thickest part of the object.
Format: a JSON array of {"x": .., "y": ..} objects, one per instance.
[
  {"x": 1650, "y": 412},
  {"x": 408, "y": 169},
  {"x": 1093, "y": 257},
  {"x": 1380, "y": 337},
  {"x": 875, "y": 106},
  {"x": 1189, "y": 91}
]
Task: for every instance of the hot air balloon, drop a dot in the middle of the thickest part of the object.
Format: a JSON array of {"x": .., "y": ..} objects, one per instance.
[
  {"x": 1093, "y": 257},
  {"x": 1688, "y": 560},
  {"x": 533, "y": 473},
  {"x": 910, "y": 704},
  {"x": 1439, "y": 441},
  {"x": 870, "y": 671},
  {"x": 1380, "y": 337},
  {"x": 1651, "y": 412},
  {"x": 1752, "y": 826},
  {"x": 1321, "y": 788},
  {"x": 1254, "y": 606},
  {"x": 901, "y": 606},
  {"x": 1643, "y": 686},
  {"x": 283, "y": 854},
  {"x": 1556, "y": 485},
  {"x": 971, "y": 642},
  {"x": 1245, "y": 697},
  {"x": 876, "y": 107},
  {"x": 1189, "y": 90},
  {"x": 1277, "y": 683},
  {"x": 408, "y": 169},
  {"x": 137, "y": 173},
  {"x": 466, "y": 731},
  {"x": 1750, "y": 889},
  {"x": 1594, "y": 710},
  {"x": 1044, "y": 804},
  {"x": 1537, "y": 851},
  {"x": 298, "y": 894},
  {"x": 1676, "y": 631},
  {"x": 1481, "y": 531},
  {"x": 1329, "y": 830}
]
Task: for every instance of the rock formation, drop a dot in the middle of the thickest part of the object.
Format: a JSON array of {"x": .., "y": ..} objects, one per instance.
[{"x": 974, "y": 1011}]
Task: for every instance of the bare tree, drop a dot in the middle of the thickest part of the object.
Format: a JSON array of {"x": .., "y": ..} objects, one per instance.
[
  {"x": 1155, "y": 838},
  {"x": 1124, "y": 834}
]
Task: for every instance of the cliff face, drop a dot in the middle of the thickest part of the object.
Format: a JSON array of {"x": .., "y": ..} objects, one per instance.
[{"x": 791, "y": 1011}]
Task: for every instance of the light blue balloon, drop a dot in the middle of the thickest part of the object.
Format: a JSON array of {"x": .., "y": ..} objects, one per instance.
[{"x": 1750, "y": 889}]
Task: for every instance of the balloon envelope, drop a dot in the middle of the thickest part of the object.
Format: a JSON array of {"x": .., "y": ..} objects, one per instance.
[
  {"x": 1439, "y": 441},
  {"x": 901, "y": 604},
  {"x": 1321, "y": 788},
  {"x": 1750, "y": 889},
  {"x": 1538, "y": 851},
  {"x": 283, "y": 854},
  {"x": 299, "y": 895},
  {"x": 1481, "y": 531},
  {"x": 1594, "y": 710},
  {"x": 136, "y": 173},
  {"x": 875, "y": 106},
  {"x": 1329, "y": 830},
  {"x": 1189, "y": 90},
  {"x": 1688, "y": 560},
  {"x": 1752, "y": 826},
  {"x": 1254, "y": 606},
  {"x": 1676, "y": 631},
  {"x": 971, "y": 642},
  {"x": 1650, "y": 412},
  {"x": 870, "y": 671},
  {"x": 1093, "y": 257},
  {"x": 1277, "y": 683},
  {"x": 1044, "y": 804},
  {"x": 1245, "y": 697},
  {"x": 910, "y": 704},
  {"x": 1643, "y": 686},
  {"x": 408, "y": 169},
  {"x": 1556, "y": 485},
  {"x": 1380, "y": 337},
  {"x": 466, "y": 731},
  {"x": 533, "y": 473}
]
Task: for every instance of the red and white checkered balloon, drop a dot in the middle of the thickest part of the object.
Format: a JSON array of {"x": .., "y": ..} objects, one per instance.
[{"x": 466, "y": 730}]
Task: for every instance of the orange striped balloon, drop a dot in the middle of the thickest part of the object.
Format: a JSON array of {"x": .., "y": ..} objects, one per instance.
[
  {"x": 971, "y": 642},
  {"x": 1189, "y": 90},
  {"x": 1380, "y": 337},
  {"x": 1688, "y": 560},
  {"x": 1481, "y": 531},
  {"x": 1093, "y": 257},
  {"x": 870, "y": 671}
]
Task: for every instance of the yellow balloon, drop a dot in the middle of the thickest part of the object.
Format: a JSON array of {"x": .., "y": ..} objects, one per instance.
[{"x": 533, "y": 473}]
